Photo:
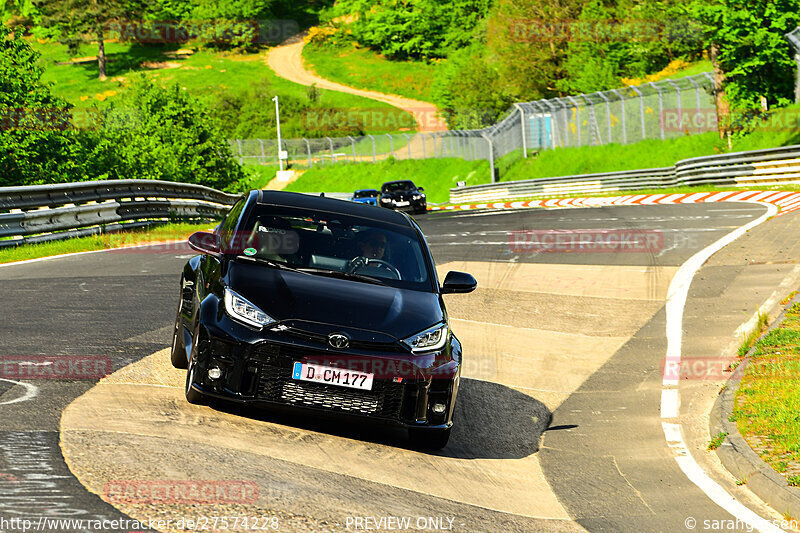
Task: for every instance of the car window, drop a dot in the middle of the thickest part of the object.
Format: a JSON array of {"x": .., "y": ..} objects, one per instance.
[
  {"x": 228, "y": 226},
  {"x": 337, "y": 243},
  {"x": 397, "y": 186}
]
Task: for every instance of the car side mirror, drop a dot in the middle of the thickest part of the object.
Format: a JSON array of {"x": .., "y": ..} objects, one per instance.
[
  {"x": 421, "y": 189},
  {"x": 205, "y": 242},
  {"x": 458, "y": 283}
]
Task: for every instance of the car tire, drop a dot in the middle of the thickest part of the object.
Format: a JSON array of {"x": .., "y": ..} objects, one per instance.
[
  {"x": 429, "y": 439},
  {"x": 193, "y": 396},
  {"x": 178, "y": 353}
]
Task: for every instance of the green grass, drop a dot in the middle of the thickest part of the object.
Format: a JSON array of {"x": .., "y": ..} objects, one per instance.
[
  {"x": 365, "y": 69},
  {"x": 161, "y": 233},
  {"x": 696, "y": 68},
  {"x": 768, "y": 398},
  {"x": 437, "y": 176},
  {"x": 716, "y": 442},
  {"x": 205, "y": 74}
]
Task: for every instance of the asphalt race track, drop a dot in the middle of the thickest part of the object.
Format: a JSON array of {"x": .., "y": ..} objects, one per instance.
[{"x": 558, "y": 423}]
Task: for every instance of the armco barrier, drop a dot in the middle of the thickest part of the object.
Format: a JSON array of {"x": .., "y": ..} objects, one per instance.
[
  {"x": 775, "y": 166},
  {"x": 41, "y": 213}
]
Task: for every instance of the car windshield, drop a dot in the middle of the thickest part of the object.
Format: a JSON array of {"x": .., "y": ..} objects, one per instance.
[
  {"x": 398, "y": 186},
  {"x": 365, "y": 194},
  {"x": 326, "y": 243}
]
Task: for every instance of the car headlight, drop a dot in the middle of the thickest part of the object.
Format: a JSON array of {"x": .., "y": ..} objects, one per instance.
[
  {"x": 242, "y": 310},
  {"x": 386, "y": 200},
  {"x": 417, "y": 196},
  {"x": 430, "y": 340}
]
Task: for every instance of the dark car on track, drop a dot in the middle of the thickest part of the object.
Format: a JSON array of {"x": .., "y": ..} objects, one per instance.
[
  {"x": 403, "y": 195},
  {"x": 320, "y": 305},
  {"x": 366, "y": 196}
]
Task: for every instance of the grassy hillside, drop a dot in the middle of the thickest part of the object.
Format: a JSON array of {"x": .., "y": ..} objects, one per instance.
[
  {"x": 365, "y": 69},
  {"x": 212, "y": 76}
]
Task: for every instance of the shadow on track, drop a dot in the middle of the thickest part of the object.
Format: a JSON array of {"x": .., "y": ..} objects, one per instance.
[{"x": 492, "y": 421}]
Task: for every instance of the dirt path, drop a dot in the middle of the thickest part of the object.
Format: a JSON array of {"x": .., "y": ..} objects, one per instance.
[{"x": 286, "y": 60}]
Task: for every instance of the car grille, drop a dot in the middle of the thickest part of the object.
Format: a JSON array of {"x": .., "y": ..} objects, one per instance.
[{"x": 385, "y": 400}]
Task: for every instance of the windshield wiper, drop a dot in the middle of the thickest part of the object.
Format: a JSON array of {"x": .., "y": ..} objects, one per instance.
[
  {"x": 343, "y": 275},
  {"x": 270, "y": 262}
]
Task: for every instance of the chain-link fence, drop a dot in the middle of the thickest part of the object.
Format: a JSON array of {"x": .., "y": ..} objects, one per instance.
[
  {"x": 794, "y": 39},
  {"x": 658, "y": 110}
]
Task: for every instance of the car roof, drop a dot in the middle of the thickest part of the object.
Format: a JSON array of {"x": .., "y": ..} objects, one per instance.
[
  {"x": 397, "y": 181},
  {"x": 330, "y": 205},
  {"x": 366, "y": 190}
]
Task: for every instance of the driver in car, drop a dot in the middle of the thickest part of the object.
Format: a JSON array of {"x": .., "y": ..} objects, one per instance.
[{"x": 372, "y": 244}]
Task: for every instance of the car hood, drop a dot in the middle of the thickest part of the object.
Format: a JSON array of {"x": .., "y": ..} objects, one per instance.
[
  {"x": 351, "y": 306},
  {"x": 401, "y": 195}
]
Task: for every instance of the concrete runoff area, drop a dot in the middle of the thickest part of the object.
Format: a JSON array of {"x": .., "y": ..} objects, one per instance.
[{"x": 577, "y": 348}]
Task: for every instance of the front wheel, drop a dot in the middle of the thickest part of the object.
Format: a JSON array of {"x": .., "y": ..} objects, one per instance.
[
  {"x": 193, "y": 396},
  {"x": 178, "y": 353},
  {"x": 429, "y": 439}
]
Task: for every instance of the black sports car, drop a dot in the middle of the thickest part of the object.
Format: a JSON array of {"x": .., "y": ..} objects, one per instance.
[
  {"x": 318, "y": 304},
  {"x": 403, "y": 195}
]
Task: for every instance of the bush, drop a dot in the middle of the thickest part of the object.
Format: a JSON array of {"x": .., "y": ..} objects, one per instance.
[{"x": 165, "y": 134}]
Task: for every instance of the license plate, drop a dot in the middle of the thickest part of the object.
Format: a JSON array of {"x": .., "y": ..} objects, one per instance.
[
  {"x": 402, "y": 204},
  {"x": 332, "y": 376}
]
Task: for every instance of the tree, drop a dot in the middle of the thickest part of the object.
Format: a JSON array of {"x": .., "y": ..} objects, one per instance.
[
  {"x": 37, "y": 144},
  {"x": 751, "y": 57},
  {"x": 83, "y": 21}
]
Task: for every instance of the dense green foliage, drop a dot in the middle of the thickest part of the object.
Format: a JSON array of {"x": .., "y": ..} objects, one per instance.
[
  {"x": 152, "y": 133},
  {"x": 35, "y": 144}
]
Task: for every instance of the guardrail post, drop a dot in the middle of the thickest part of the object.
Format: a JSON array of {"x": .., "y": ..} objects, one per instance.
[
  {"x": 522, "y": 123},
  {"x": 391, "y": 143},
  {"x": 491, "y": 156},
  {"x": 310, "y": 160},
  {"x": 374, "y": 156}
]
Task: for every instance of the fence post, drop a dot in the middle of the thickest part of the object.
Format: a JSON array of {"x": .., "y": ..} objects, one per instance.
[
  {"x": 577, "y": 117},
  {"x": 422, "y": 138},
  {"x": 678, "y": 101},
  {"x": 310, "y": 160},
  {"x": 622, "y": 110},
  {"x": 374, "y": 156},
  {"x": 263, "y": 155},
  {"x": 608, "y": 113},
  {"x": 353, "y": 142},
  {"x": 330, "y": 143},
  {"x": 408, "y": 141},
  {"x": 391, "y": 143},
  {"x": 522, "y": 123},
  {"x": 553, "y": 118},
  {"x": 660, "y": 108},
  {"x": 241, "y": 155},
  {"x": 641, "y": 109},
  {"x": 697, "y": 103},
  {"x": 491, "y": 156}
]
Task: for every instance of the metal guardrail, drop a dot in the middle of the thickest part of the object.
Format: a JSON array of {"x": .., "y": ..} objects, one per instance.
[
  {"x": 763, "y": 167},
  {"x": 40, "y": 213}
]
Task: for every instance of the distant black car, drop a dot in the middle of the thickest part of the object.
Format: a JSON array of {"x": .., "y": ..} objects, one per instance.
[
  {"x": 403, "y": 195},
  {"x": 320, "y": 305}
]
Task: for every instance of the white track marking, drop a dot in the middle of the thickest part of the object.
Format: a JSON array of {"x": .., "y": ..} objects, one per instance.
[
  {"x": 38, "y": 259},
  {"x": 31, "y": 392},
  {"x": 670, "y": 397}
]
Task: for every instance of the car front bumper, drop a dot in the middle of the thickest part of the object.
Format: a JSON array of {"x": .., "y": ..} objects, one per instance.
[{"x": 257, "y": 370}]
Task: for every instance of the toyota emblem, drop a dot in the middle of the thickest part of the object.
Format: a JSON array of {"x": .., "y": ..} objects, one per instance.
[{"x": 340, "y": 341}]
